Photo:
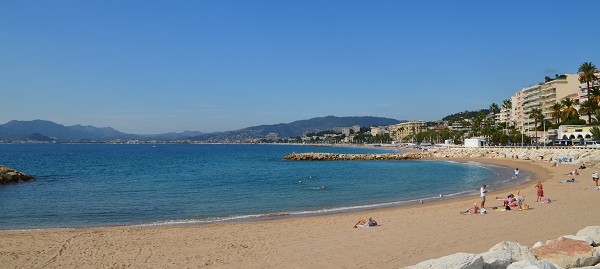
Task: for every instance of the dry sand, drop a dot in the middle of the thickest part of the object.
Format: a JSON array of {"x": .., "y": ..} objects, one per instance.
[{"x": 407, "y": 235}]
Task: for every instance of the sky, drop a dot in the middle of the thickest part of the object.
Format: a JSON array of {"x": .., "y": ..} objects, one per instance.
[{"x": 149, "y": 67}]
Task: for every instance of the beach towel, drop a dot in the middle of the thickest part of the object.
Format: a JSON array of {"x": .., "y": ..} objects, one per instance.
[{"x": 569, "y": 181}]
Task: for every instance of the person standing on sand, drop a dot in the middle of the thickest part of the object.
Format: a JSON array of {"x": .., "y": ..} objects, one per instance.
[
  {"x": 595, "y": 177},
  {"x": 483, "y": 191},
  {"x": 540, "y": 192}
]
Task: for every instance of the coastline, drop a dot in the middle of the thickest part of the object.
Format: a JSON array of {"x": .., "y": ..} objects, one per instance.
[{"x": 408, "y": 234}]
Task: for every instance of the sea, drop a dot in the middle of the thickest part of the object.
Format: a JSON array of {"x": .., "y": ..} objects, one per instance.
[{"x": 99, "y": 185}]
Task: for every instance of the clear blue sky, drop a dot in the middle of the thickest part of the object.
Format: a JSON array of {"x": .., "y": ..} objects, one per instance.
[{"x": 150, "y": 67}]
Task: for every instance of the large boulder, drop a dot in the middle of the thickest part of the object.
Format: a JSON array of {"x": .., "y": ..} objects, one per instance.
[
  {"x": 568, "y": 253},
  {"x": 454, "y": 261},
  {"x": 586, "y": 239},
  {"x": 533, "y": 265},
  {"x": 592, "y": 232},
  {"x": 517, "y": 251},
  {"x": 496, "y": 259},
  {"x": 590, "y": 267}
]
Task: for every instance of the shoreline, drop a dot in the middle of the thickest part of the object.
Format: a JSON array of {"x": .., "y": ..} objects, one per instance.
[
  {"x": 460, "y": 193},
  {"x": 408, "y": 234}
]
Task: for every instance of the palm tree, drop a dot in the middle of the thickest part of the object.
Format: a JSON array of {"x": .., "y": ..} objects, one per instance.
[
  {"x": 595, "y": 91},
  {"x": 557, "y": 111},
  {"x": 507, "y": 105},
  {"x": 494, "y": 108},
  {"x": 536, "y": 115},
  {"x": 587, "y": 76},
  {"x": 569, "y": 112},
  {"x": 596, "y": 120},
  {"x": 588, "y": 107},
  {"x": 595, "y": 132}
]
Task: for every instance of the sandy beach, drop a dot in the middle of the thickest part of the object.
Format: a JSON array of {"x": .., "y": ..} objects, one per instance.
[{"x": 407, "y": 234}]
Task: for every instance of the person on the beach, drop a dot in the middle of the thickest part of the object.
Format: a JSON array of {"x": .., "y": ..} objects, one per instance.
[
  {"x": 595, "y": 177},
  {"x": 474, "y": 209},
  {"x": 540, "y": 192},
  {"x": 519, "y": 200},
  {"x": 361, "y": 222},
  {"x": 508, "y": 201},
  {"x": 483, "y": 191},
  {"x": 517, "y": 173},
  {"x": 372, "y": 222}
]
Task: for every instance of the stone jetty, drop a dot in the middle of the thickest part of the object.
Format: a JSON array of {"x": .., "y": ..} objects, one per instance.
[
  {"x": 319, "y": 156},
  {"x": 8, "y": 175},
  {"x": 575, "y": 156}
]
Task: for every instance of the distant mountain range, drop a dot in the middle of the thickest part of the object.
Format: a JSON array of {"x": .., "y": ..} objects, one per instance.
[
  {"x": 296, "y": 128},
  {"x": 41, "y": 130}
]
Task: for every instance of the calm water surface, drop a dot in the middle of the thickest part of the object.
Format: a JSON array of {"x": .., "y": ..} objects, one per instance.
[{"x": 81, "y": 185}]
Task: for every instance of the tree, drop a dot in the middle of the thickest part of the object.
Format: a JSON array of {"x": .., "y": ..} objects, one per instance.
[
  {"x": 536, "y": 115},
  {"x": 595, "y": 94},
  {"x": 494, "y": 108},
  {"x": 588, "y": 107},
  {"x": 595, "y": 132},
  {"x": 507, "y": 105},
  {"x": 569, "y": 111},
  {"x": 587, "y": 76},
  {"x": 557, "y": 111},
  {"x": 596, "y": 120}
]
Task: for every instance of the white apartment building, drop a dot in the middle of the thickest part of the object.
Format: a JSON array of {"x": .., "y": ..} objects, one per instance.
[
  {"x": 531, "y": 99},
  {"x": 542, "y": 96},
  {"x": 516, "y": 114}
]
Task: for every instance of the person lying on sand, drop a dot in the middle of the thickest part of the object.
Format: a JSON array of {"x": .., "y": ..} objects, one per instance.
[
  {"x": 363, "y": 223},
  {"x": 372, "y": 222},
  {"x": 473, "y": 210},
  {"x": 570, "y": 181}
]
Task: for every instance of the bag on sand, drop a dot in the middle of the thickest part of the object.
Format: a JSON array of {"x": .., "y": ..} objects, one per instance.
[{"x": 525, "y": 206}]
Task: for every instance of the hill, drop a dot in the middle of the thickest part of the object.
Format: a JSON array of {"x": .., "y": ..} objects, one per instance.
[
  {"x": 296, "y": 128},
  {"x": 41, "y": 130}
]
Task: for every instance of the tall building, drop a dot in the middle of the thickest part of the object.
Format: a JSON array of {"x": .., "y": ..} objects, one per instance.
[
  {"x": 407, "y": 129},
  {"x": 532, "y": 99},
  {"x": 517, "y": 110},
  {"x": 556, "y": 90}
]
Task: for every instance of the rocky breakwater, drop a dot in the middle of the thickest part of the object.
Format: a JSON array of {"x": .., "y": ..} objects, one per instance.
[
  {"x": 569, "y": 251},
  {"x": 591, "y": 157},
  {"x": 318, "y": 156},
  {"x": 8, "y": 175}
]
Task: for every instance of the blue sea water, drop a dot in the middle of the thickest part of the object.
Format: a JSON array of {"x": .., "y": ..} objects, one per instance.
[{"x": 82, "y": 185}]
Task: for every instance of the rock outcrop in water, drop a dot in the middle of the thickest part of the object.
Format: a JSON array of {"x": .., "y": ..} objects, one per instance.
[
  {"x": 317, "y": 156},
  {"x": 8, "y": 175}
]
